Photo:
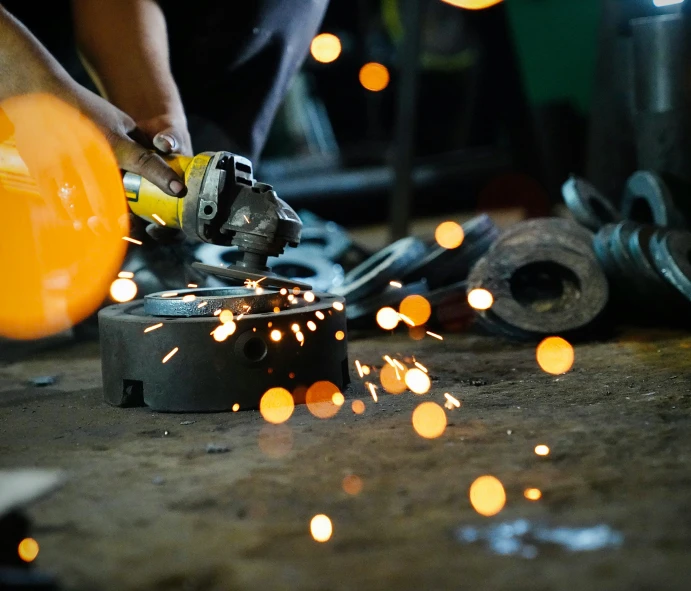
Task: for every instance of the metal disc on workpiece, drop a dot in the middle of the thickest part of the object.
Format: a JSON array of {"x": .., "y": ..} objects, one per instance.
[
  {"x": 207, "y": 300},
  {"x": 375, "y": 274},
  {"x": 178, "y": 366},
  {"x": 542, "y": 288},
  {"x": 588, "y": 205},
  {"x": 441, "y": 266},
  {"x": 648, "y": 200},
  {"x": 672, "y": 256},
  {"x": 548, "y": 230}
]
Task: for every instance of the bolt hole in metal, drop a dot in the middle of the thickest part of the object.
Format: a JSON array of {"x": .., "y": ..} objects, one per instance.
[
  {"x": 641, "y": 211},
  {"x": 602, "y": 213},
  {"x": 208, "y": 209},
  {"x": 255, "y": 349},
  {"x": 544, "y": 286}
]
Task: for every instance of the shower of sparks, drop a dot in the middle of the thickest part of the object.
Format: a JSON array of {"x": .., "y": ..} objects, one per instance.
[
  {"x": 246, "y": 219},
  {"x": 217, "y": 312},
  {"x": 246, "y": 311},
  {"x": 373, "y": 390},
  {"x": 395, "y": 284},
  {"x": 319, "y": 314},
  {"x": 420, "y": 366},
  {"x": 202, "y": 304},
  {"x": 189, "y": 298},
  {"x": 338, "y": 306},
  {"x": 407, "y": 320},
  {"x": 153, "y": 327},
  {"x": 435, "y": 335},
  {"x": 283, "y": 291},
  {"x": 167, "y": 357},
  {"x": 252, "y": 284},
  {"x": 359, "y": 369},
  {"x": 309, "y": 296},
  {"x": 132, "y": 240},
  {"x": 158, "y": 219},
  {"x": 192, "y": 285},
  {"x": 311, "y": 325},
  {"x": 125, "y": 275},
  {"x": 451, "y": 402}
]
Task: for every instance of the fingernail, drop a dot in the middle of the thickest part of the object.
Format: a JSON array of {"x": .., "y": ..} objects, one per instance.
[
  {"x": 170, "y": 140},
  {"x": 176, "y": 187}
]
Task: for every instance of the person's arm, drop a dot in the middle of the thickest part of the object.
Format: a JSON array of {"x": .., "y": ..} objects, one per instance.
[
  {"x": 125, "y": 44},
  {"x": 27, "y": 67}
]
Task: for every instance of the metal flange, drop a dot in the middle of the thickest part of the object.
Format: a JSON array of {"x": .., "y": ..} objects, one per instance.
[
  {"x": 672, "y": 256},
  {"x": 588, "y": 205},
  {"x": 200, "y": 374},
  {"x": 648, "y": 199}
]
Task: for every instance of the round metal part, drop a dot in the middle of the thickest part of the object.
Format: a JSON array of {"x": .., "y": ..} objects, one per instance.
[
  {"x": 649, "y": 200},
  {"x": 639, "y": 248},
  {"x": 587, "y": 204},
  {"x": 672, "y": 256},
  {"x": 547, "y": 231},
  {"x": 200, "y": 374},
  {"x": 205, "y": 301},
  {"x": 542, "y": 288},
  {"x": 375, "y": 274},
  {"x": 601, "y": 247},
  {"x": 240, "y": 275}
]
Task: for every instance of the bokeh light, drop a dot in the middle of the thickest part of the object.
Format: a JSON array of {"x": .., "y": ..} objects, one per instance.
[
  {"x": 28, "y": 549},
  {"x": 417, "y": 333},
  {"x": 223, "y": 331},
  {"x": 532, "y": 494},
  {"x": 325, "y": 48},
  {"x": 236, "y": 407},
  {"x": 480, "y": 299},
  {"x": 64, "y": 202},
  {"x": 417, "y": 380},
  {"x": 321, "y": 528},
  {"x": 275, "y": 335},
  {"x": 123, "y": 290},
  {"x": 275, "y": 441},
  {"x": 276, "y": 405},
  {"x": 392, "y": 380},
  {"x": 225, "y": 316},
  {"x": 487, "y": 495},
  {"x": 319, "y": 399},
  {"x": 429, "y": 420},
  {"x": 388, "y": 318},
  {"x": 352, "y": 484},
  {"x": 374, "y": 76},
  {"x": 338, "y": 399},
  {"x": 472, "y": 4},
  {"x": 417, "y": 308},
  {"x": 449, "y": 235},
  {"x": 358, "y": 407},
  {"x": 542, "y": 450},
  {"x": 340, "y": 335},
  {"x": 555, "y": 355}
]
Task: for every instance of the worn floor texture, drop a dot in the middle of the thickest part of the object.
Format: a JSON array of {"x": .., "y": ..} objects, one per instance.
[{"x": 145, "y": 510}]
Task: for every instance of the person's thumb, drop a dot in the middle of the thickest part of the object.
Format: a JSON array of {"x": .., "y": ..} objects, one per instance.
[{"x": 167, "y": 141}]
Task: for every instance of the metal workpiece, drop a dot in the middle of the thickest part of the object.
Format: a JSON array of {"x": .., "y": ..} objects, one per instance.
[
  {"x": 672, "y": 256},
  {"x": 202, "y": 375},
  {"x": 587, "y": 204},
  {"x": 238, "y": 274},
  {"x": 649, "y": 199},
  {"x": 547, "y": 231}
]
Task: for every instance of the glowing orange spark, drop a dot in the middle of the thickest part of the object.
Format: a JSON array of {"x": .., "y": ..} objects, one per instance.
[
  {"x": 28, "y": 549},
  {"x": 169, "y": 355},
  {"x": 319, "y": 314},
  {"x": 133, "y": 240},
  {"x": 300, "y": 337},
  {"x": 277, "y": 309},
  {"x": 319, "y": 399},
  {"x": 555, "y": 355},
  {"x": 429, "y": 420},
  {"x": 487, "y": 495},
  {"x": 449, "y": 235},
  {"x": 123, "y": 290},
  {"x": 542, "y": 450},
  {"x": 217, "y": 312},
  {"x": 325, "y": 48},
  {"x": 296, "y": 290},
  {"x": 202, "y": 304},
  {"x": 451, "y": 401},
  {"x": 153, "y": 327},
  {"x": 192, "y": 285},
  {"x": 408, "y": 321},
  {"x": 276, "y": 335},
  {"x": 158, "y": 219},
  {"x": 309, "y": 296},
  {"x": 283, "y": 291},
  {"x": 338, "y": 399},
  {"x": 472, "y": 4},
  {"x": 374, "y": 76},
  {"x": 311, "y": 325},
  {"x": 480, "y": 299},
  {"x": 189, "y": 298},
  {"x": 365, "y": 369},
  {"x": 352, "y": 484},
  {"x": 338, "y": 306},
  {"x": 359, "y": 368},
  {"x": 226, "y": 316},
  {"x": 416, "y": 308},
  {"x": 532, "y": 494},
  {"x": 246, "y": 219},
  {"x": 276, "y": 405},
  {"x": 126, "y": 275},
  {"x": 399, "y": 365},
  {"x": 358, "y": 407},
  {"x": 391, "y": 380},
  {"x": 418, "y": 381},
  {"x": 435, "y": 335},
  {"x": 295, "y": 327},
  {"x": 395, "y": 284},
  {"x": 340, "y": 335},
  {"x": 420, "y": 366},
  {"x": 389, "y": 360},
  {"x": 387, "y": 318},
  {"x": 373, "y": 391},
  {"x": 291, "y": 298},
  {"x": 236, "y": 407},
  {"x": 170, "y": 294},
  {"x": 223, "y": 331},
  {"x": 321, "y": 528}
]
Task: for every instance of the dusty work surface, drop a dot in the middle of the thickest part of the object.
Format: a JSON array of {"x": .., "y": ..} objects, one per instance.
[{"x": 144, "y": 510}]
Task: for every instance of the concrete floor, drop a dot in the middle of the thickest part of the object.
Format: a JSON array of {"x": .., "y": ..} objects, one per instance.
[{"x": 144, "y": 510}]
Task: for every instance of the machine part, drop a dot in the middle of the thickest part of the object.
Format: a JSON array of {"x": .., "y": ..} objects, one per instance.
[
  {"x": 206, "y": 301},
  {"x": 587, "y": 204},
  {"x": 304, "y": 263},
  {"x": 203, "y": 375},
  {"x": 639, "y": 248},
  {"x": 649, "y": 200},
  {"x": 441, "y": 266},
  {"x": 672, "y": 256},
  {"x": 362, "y": 313},
  {"x": 375, "y": 274},
  {"x": 542, "y": 288},
  {"x": 601, "y": 242},
  {"x": 547, "y": 231},
  {"x": 239, "y": 275}
]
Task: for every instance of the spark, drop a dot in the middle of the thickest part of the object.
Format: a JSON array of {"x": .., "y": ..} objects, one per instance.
[
  {"x": 283, "y": 291},
  {"x": 389, "y": 360},
  {"x": 365, "y": 369},
  {"x": 373, "y": 390},
  {"x": 192, "y": 285},
  {"x": 223, "y": 331},
  {"x": 217, "y": 312},
  {"x": 309, "y": 296},
  {"x": 542, "y": 450},
  {"x": 236, "y": 407},
  {"x": 246, "y": 219},
  {"x": 395, "y": 284},
  {"x": 132, "y": 240},
  {"x": 189, "y": 298},
  {"x": 339, "y": 306},
  {"x": 420, "y": 366},
  {"x": 435, "y": 335},
  {"x": 153, "y": 327},
  {"x": 300, "y": 337},
  {"x": 291, "y": 298},
  {"x": 451, "y": 401},
  {"x": 125, "y": 275},
  {"x": 319, "y": 314},
  {"x": 252, "y": 284},
  {"x": 276, "y": 335},
  {"x": 295, "y": 327},
  {"x": 340, "y": 335},
  {"x": 407, "y": 320},
  {"x": 246, "y": 311},
  {"x": 158, "y": 219},
  {"x": 399, "y": 365},
  {"x": 480, "y": 299},
  {"x": 226, "y": 316},
  {"x": 311, "y": 325},
  {"x": 276, "y": 309},
  {"x": 296, "y": 290},
  {"x": 359, "y": 369},
  {"x": 173, "y": 352},
  {"x": 202, "y": 304},
  {"x": 259, "y": 290},
  {"x": 321, "y": 528},
  {"x": 170, "y": 294},
  {"x": 532, "y": 494}
]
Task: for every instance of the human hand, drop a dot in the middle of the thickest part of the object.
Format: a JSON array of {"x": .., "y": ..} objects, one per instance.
[{"x": 168, "y": 134}]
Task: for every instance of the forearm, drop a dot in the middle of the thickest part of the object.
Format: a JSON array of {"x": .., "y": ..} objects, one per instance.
[{"x": 125, "y": 42}]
